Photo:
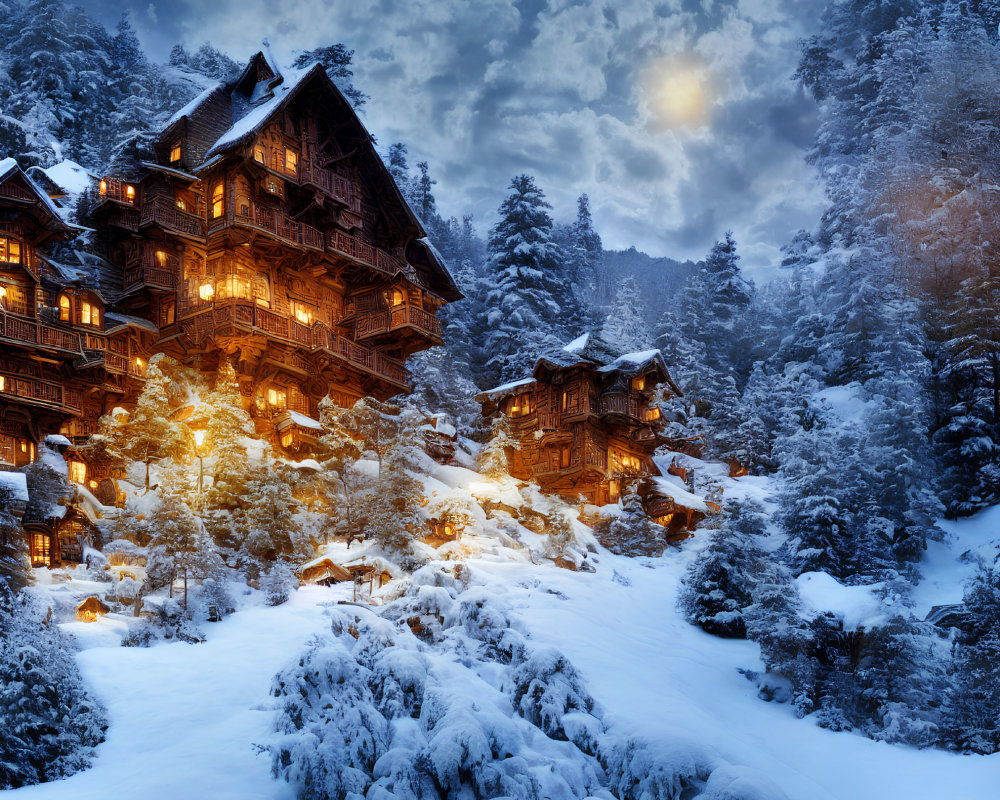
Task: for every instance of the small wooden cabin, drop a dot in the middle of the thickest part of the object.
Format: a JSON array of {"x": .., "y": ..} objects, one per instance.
[
  {"x": 323, "y": 571},
  {"x": 585, "y": 422},
  {"x": 90, "y": 609}
]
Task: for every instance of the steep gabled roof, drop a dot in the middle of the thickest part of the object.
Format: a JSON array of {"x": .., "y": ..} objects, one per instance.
[{"x": 11, "y": 172}]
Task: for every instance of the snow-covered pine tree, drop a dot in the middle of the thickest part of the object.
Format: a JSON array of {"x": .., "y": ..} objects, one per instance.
[
  {"x": 50, "y": 723},
  {"x": 720, "y": 583},
  {"x": 530, "y": 303},
  {"x": 13, "y": 547},
  {"x": 336, "y": 59},
  {"x": 625, "y": 324},
  {"x": 179, "y": 546}
]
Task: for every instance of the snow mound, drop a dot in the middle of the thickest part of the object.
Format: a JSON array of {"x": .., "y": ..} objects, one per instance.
[{"x": 856, "y": 606}]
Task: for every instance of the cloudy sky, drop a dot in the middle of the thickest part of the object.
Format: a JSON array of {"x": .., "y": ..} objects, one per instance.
[{"x": 679, "y": 118}]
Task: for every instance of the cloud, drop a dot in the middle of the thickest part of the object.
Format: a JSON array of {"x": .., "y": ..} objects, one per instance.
[{"x": 486, "y": 90}]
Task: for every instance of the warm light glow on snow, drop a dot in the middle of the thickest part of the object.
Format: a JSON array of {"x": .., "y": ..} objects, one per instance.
[{"x": 676, "y": 92}]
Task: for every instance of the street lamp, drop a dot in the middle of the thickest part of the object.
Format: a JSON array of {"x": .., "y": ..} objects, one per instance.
[{"x": 199, "y": 440}]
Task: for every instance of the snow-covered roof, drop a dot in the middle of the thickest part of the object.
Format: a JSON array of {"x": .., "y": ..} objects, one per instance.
[
  {"x": 632, "y": 361},
  {"x": 9, "y": 166},
  {"x": 16, "y": 483},
  {"x": 310, "y": 464},
  {"x": 192, "y": 105},
  {"x": 57, "y": 440},
  {"x": 499, "y": 391},
  {"x": 680, "y": 496},
  {"x": 304, "y": 422},
  {"x": 70, "y": 176},
  {"x": 133, "y": 322},
  {"x": 259, "y": 115},
  {"x": 178, "y": 173}
]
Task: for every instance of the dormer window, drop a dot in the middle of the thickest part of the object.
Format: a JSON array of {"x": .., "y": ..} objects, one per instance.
[
  {"x": 175, "y": 152},
  {"x": 218, "y": 200},
  {"x": 639, "y": 383},
  {"x": 258, "y": 154},
  {"x": 10, "y": 250},
  {"x": 291, "y": 161},
  {"x": 89, "y": 314},
  {"x": 65, "y": 309}
]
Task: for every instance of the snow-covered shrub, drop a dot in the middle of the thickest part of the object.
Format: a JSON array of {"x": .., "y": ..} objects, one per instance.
[
  {"x": 332, "y": 731},
  {"x": 145, "y": 634},
  {"x": 637, "y": 771},
  {"x": 174, "y": 623},
  {"x": 214, "y": 593},
  {"x": 545, "y": 687},
  {"x": 278, "y": 583},
  {"x": 632, "y": 533},
  {"x": 49, "y": 722},
  {"x": 485, "y": 620}
]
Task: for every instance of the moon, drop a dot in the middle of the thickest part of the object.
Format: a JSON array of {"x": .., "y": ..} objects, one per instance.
[{"x": 677, "y": 93}]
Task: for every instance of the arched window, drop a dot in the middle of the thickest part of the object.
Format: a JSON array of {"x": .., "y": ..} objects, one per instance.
[
  {"x": 65, "y": 309},
  {"x": 218, "y": 200}
]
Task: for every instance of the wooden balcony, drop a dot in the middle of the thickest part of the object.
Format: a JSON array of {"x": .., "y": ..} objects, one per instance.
[
  {"x": 344, "y": 244},
  {"x": 24, "y": 330},
  {"x": 116, "y": 190},
  {"x": 165, "y": 214},
  {"x": 200, "y": 320},
  {"x": 636, "y": 408},
  {"x": 371, "y": 325},
  {"x": 42, "y": 393},
  {"x": 124, "y": 218},
  {"x": 153, "y": 274},
  {"x": 336, "y": 186},
  {"x": 271, "y": 222}
]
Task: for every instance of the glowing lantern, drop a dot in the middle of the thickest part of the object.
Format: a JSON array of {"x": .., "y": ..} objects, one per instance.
[
  {"x": 199, "y": 438},
  {"x": 104, "y": 188},
  {"x": 206, "y": 291}
]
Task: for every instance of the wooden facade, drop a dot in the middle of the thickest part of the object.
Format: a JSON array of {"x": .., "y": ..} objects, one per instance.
[
  {"x": 267, "y": 230},
  {"x": 63, "y": 359},
  {"x": 585, "y": 424}
]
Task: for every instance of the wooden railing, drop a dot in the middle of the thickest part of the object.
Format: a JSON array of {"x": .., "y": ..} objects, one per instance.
[
  {"x": 36, "y": 391},
  {"x": 628, "y": 407},
  {"x": 15, "y": 192},
  {"x": 367, "y": 325},
  {"x": 31, "y": 331},
  {"x": 548, "y": 421},
  {"x": 337, "y": 186},
  {"x": 375, "y": 257},
  {"x": 117, "y": 190},
  {"x": 160, "y": 211},
  {"x": 272, "y": 222},
  {"x": 151, "y": 272},
  {"x": 201, "y": 319},
  {"x": 127, "y": 218}
]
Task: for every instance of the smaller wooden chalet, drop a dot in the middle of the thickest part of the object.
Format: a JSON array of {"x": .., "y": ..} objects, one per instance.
[{"x": 586, "y": 425}]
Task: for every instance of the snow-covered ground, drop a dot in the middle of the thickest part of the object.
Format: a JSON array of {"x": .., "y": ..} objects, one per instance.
[{"x": 185, "y": 718}]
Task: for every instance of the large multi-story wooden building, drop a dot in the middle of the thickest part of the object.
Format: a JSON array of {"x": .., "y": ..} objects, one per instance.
[
  {"x": 262, "y": 227},
  {"x": 63, "y": 358},
  {"x": 586, "y": 427},
  {"x": 266, "y": 229}
]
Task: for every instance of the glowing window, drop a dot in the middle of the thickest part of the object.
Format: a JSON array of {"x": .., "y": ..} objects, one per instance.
[
  {"x": 261, "y": 291},
  {"x": 286, "y": 439},
  {"x": 77, "y": 472},
  {"x": 218, "y": 200},
  {"x": 65, "y": 309},
  {"x": 639, "y": 383},
  {"x": 89, "y": 314},
  {"x": 521, "y": 405},
  {"x": 652, "y": 414},
  {"x": 181, "y": 205},
  {"x": 10, "y": 250},
  {"x": 277, "y": 398},
  {"x": 3, "y": 384},
  {"x": 258, "y": 154},
  {"x": 205, "y": 291},
  {"x": 104, "y": 188},
  {"x": 394, "y": 297},
  {"x": 130, "y": 193},
  {"x": 302, "y": 312},
  {"x": 161, "y": 258},
  {"x": 175, "y": 152},
  {"x": 291, "y": 161}
]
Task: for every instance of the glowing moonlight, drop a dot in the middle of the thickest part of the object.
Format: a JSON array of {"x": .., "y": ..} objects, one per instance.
[{"x": 676, "y": 93}]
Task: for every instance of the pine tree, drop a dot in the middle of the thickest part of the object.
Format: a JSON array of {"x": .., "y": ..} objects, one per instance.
[
  {"x": 625, "y": 324},
  {"x": 13, "y": 548},
  {"x": 336, "y": 59},
  {"x": 529, "y": 300},
  {"x": 180, "y": 546},
  {"x": 493, "y": 460}
]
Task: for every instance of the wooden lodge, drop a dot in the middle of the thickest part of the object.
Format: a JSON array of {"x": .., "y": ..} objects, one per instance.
[
  {"x": 586, "y": 426},
  {"x": 265, "y": 228}
]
